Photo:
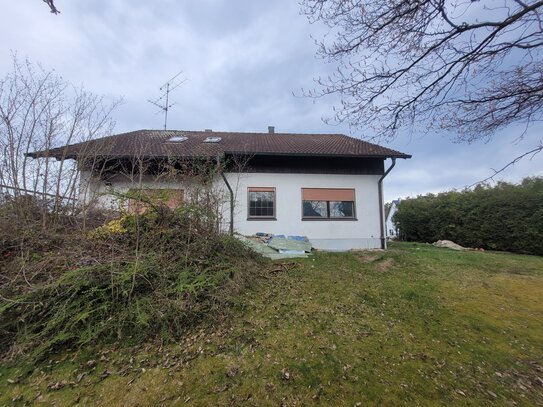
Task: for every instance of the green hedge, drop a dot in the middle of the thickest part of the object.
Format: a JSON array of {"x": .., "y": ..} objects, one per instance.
[{"x": 504, "y": 217}]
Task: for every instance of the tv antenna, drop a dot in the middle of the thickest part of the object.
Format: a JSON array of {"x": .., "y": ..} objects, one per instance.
[{"x": 163, "y": 102}]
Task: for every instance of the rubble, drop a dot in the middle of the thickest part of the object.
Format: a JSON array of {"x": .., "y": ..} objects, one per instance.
[{"x": 449, "y": 245}]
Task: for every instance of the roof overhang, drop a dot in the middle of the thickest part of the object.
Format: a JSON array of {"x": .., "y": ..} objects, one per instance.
[{"x": 58, "y": 157}]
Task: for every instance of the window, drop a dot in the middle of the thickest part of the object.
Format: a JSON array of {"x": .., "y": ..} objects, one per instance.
[
  {"x": 141, "y": 198},
  {"x": 261, "y": 203},
  {"x": 212, "y": 139},
  {"x": 177, "y": 139},
  {"x": 328, "y": 203}
]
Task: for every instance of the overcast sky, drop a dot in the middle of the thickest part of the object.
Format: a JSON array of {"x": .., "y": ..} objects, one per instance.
[{"x": 245, "y": 62}]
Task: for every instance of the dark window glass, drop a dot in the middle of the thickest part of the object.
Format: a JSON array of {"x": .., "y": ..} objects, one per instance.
[
  {"x": 262, "y": 204},
  {"x": 315, "y": 209},
  {"x": 328, "y": 209},
  {"x": 342, "y": 209}
]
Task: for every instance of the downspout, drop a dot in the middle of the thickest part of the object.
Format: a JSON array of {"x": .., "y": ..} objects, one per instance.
[
  {"x": 231, "y": 203},
  {"x": 381, "y": 204}
]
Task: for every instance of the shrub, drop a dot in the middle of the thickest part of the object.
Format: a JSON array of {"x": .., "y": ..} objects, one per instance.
[
  {"x": 504, "y": 217},
  {"x": 36, "y": 245},
  {"x": 152, "y": 275}
]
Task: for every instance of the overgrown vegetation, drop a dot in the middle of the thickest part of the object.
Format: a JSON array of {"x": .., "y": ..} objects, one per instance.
[
  {"x": 415, "y": 325},
  {"x": 504, "y": 217},
  {"x": 140, "y": 276}
]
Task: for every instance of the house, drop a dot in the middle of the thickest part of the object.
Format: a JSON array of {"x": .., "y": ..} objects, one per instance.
[
  {"x": 327, "y": 187},
  {"x": 390, "y": 227}
]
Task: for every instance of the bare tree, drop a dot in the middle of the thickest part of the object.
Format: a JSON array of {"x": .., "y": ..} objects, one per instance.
[
  {"x": 38, "y": 111},
  {"x": 51, "y": 5},
  {"x": 470, "y": 66}
]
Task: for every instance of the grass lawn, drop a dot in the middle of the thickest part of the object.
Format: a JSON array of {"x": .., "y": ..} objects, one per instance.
[{"x": 414, "y": 325}]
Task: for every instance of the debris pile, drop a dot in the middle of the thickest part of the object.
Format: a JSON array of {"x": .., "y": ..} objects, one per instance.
[
  {"x": 449, "y": 245},
  {"x": 454, "y": 246},
  {"x": 278, "y": 246}
]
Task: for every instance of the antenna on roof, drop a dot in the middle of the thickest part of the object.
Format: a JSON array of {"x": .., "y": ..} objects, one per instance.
[{"x": 163, "y": 102}]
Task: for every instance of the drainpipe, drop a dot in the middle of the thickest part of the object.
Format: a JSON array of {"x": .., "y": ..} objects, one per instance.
[
  {"x": 381, "y": 204},
  {"x": 231, "y": 203}
]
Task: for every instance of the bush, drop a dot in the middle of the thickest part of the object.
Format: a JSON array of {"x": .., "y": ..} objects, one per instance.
[
  {"x": 152, "y": 275},
  {"x": 37, "y": 245},
  {"x": 504, "y": 217}
]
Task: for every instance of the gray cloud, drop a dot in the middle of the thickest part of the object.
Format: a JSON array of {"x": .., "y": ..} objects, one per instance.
[{"x": 243, "y": 59}]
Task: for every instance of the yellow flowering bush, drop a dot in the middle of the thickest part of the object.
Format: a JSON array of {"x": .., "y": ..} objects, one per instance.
[{"x": 112, "y": 228}]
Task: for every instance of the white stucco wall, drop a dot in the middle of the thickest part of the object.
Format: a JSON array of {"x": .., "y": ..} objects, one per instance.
[
  {"x": 327, "y": 234},
  {"x": 362, "y": 233},
  {"x": 95, "y": 190}
]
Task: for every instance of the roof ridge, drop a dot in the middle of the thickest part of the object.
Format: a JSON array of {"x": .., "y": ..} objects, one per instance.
[{"x": 244, "y": 132}]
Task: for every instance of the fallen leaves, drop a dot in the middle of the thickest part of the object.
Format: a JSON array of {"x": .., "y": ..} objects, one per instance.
[
  {"x": 232, "y": 371},
  {"x": 58, "y": 385},
  {"x": 285, "y": 374}
]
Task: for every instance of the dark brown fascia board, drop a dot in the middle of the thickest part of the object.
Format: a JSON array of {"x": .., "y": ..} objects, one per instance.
[
  {"x": 384, "y": 156},
  {"x": 43, "y": 154},
  {"x": 75, "y": 156},
  {"x": 49, "y": 154}
]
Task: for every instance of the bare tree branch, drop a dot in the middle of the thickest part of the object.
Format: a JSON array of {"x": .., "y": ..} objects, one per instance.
[
  {"x": 471, "y": 67},
  {"x": 38, "y": 111},
  {"x": 532, "y": 152},
  {"x": 51, "y": 5}
]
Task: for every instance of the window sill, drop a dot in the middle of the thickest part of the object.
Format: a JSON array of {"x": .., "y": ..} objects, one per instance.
[
  {"x": 253, "y": 218},
  {"x": 330, "y": 219}
]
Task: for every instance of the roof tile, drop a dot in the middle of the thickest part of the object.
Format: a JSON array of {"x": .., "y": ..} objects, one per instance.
[{"x": 154, "y": 143}]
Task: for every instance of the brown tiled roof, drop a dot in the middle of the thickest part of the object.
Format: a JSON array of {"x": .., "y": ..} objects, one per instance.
[{"x": 155, "y": 143}]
